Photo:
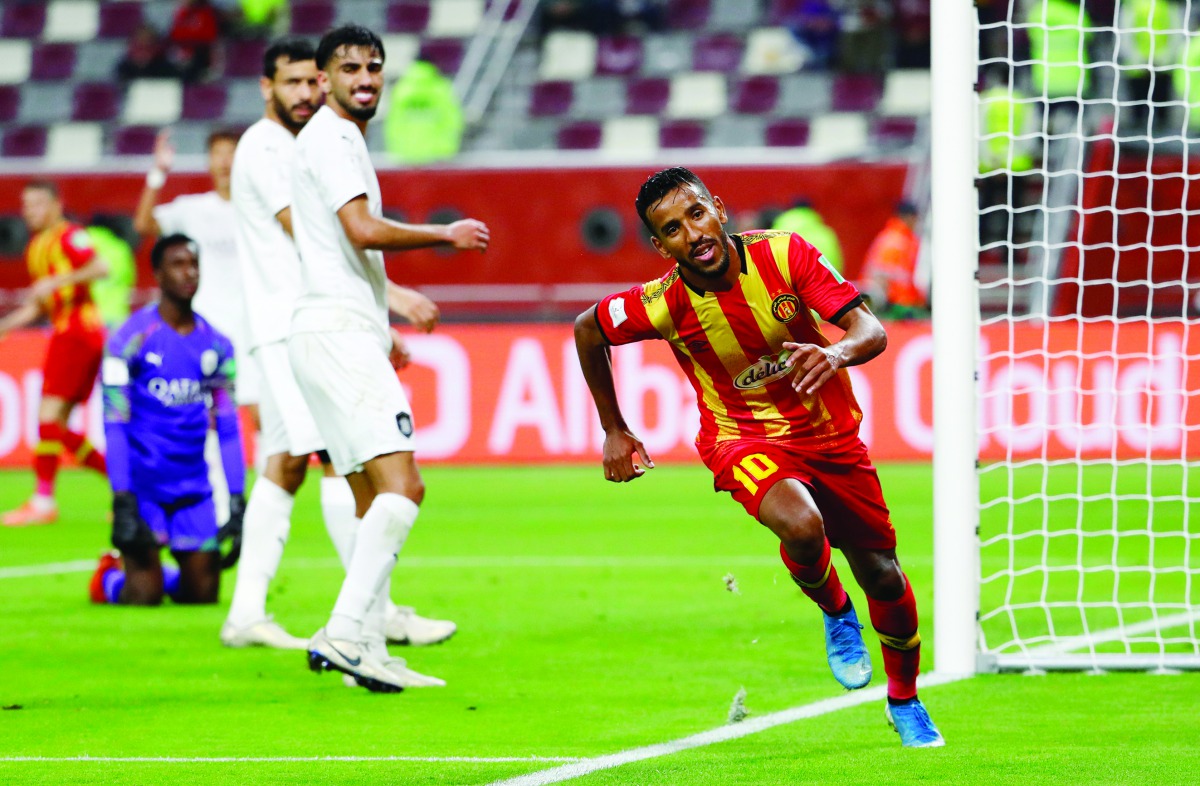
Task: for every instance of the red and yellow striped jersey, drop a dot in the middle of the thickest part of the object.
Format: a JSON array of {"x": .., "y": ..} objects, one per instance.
[
  {"x": 57, "y": 251},
  {"x": 730, "y": 344}
]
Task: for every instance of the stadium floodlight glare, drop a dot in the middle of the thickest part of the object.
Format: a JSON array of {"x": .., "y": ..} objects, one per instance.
[{"x": 1066, "y": 354}]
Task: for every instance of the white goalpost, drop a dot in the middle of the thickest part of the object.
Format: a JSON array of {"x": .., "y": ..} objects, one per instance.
[{"x": 1066, "y": 349}]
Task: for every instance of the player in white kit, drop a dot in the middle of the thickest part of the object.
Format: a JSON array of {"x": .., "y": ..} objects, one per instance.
[
  {"x": 340, "y": 341},
  {"x": 270, "y": 270},
  {"x": 209, "y": 219}
]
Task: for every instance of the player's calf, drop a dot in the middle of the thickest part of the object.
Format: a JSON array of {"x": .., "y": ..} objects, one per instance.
[{"x": 200, "y": 579}]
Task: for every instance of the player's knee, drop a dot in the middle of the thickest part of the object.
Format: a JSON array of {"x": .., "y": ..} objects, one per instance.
[
  {"x": 141, "y": 594},
  {"x": 884, "y": 580},
  {"x": 803, "y": 536}
]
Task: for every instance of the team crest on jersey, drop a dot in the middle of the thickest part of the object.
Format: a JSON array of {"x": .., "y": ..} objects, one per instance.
[
  {"x": 768, "y": 369},
  {"x": 208, "y": 362},
  {"x": 404, "y": 423},
  {"x": 785, "y": 307}
]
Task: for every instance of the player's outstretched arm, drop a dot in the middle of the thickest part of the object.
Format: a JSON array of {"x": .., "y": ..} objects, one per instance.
[
  {"x": 620, "y": 444},
  {"x": 21, "y": 316},
  {"x": 421, "y": 312},
  {"x": 366, "y": 230},
  {"x": 865, "y": 339},
  {"x": 95, "y": 268},
  {"x": 144, "y": 222}
]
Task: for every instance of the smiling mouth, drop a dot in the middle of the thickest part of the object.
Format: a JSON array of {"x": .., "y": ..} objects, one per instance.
[
  {"x": 364, "y": 96},
  {"x": 705, "y": 252}
]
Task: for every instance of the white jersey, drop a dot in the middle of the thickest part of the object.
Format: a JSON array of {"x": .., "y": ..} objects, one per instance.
[
  {"x": 343, "y": 286},
  {"x": 210, "y": 221},
  {"x": 262, "y": 186}
]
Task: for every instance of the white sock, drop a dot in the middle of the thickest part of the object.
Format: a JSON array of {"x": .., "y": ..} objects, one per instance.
[
  {"x": 264, "y": 533},
  {"x": 216, "y": 476},
  {"x": 337, "y": 507},
  {"x": 380, "y": 536},
  {"x": 372, "y": 625}
]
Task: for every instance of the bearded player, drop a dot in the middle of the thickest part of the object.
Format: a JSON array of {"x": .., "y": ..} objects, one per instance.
[
  {"x": 61, "y": 263},
  {"x": 778, "y": 419}
]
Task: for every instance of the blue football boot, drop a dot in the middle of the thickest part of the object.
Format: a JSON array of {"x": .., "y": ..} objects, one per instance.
[
  {"x": 845, "y": 651},
  {"x": 911, "y": 721}
]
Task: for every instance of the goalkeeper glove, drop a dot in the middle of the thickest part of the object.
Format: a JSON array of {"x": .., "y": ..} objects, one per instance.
[
  {"x": 130, "y": 533},
  {"x": 232, "y": 531}
]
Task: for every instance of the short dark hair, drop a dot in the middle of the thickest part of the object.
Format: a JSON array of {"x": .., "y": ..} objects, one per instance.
[
  {"x": 662, "y": 183},
  {"x": 49, "y": 186},
  {"x": 223, "y": 134},
  {"x": 167, "y": 241},
  {"x": 346, "y": 35},
  {"x": 295, "y": 49}
]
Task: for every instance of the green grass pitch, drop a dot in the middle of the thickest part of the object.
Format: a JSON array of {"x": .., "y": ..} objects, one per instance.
[{"x": 592, "y": 619}]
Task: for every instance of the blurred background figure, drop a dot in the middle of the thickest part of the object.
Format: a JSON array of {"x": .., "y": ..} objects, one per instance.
[
  {"x": 424, "y": 120},
  {"x": 112, "y": 293},
  {"x": 817, "y": 24},
  {"x": 146, "y": 57},
  {"x": 193, "y": 36},
  {"x": 889, "y": 272},
  {"x": 1057, "y": 36},
  {"x": 803, "y": 219}
]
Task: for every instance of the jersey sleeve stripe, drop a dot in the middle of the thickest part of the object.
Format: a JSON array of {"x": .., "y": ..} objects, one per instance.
[
  {"x": 600, "y": 324},
  {"x": 854, "y": 303}
]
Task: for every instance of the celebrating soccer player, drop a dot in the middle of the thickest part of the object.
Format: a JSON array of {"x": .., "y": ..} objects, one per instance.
[
  {"x": 61, "y": 263},
  {"x": 340, "y": 342},
  {"x": 270, "y": 272},
  {"x": 165, "y": 372},
  {"x": 778, "y": 419}
]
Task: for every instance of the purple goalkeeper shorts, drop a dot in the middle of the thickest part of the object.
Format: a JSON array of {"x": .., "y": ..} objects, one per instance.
[{"x": 186, "y": 525}]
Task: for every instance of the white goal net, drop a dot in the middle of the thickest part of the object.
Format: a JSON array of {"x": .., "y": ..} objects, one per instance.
[{"x": 1088, "y": 353}]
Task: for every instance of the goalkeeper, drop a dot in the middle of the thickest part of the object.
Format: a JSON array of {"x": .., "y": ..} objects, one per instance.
[{"x": 166, "y": 371}]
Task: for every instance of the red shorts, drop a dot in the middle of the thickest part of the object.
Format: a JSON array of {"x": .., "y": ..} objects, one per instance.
[
  {"x": 72, "y": 360},
  {"x": 844, "y": 485}
]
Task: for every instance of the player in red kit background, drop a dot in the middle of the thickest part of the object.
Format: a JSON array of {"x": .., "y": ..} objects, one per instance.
[
  {"x": 61, "y": 264},
  {"x": 778, "y": 419}
]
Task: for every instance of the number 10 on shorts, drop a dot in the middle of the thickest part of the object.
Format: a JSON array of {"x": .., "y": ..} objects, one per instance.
[{"x": 754, "y": 467}]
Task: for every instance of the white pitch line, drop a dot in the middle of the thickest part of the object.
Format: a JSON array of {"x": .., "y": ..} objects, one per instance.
[
  {"x": 284, "y": 759},
  {"x": 516, "y": 561},
  {"x": 721, "y": 734},
  {"x": 1116, "y": 634}
]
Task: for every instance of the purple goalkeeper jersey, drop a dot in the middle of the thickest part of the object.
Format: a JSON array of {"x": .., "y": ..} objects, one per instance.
[{"x": 160, "y": 388}]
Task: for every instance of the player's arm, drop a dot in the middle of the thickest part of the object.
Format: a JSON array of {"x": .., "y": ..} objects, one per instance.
[
  {"x": 95, "y": 267},
  {"x": 620, "y": 444},
  {"x": 365, "y": 230},
  {"x": 22, "y": 316},
  {"x": 864, "y": 339},
  {"x": 144, "y": 222},
  {"x": 284, "y": 217},
  {"x": 412, "y": 306},
  {"x": 129, "y": 532}
]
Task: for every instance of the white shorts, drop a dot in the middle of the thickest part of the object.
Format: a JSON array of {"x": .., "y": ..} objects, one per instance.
[
  {"x": 287, "y": 425},
  {"x": 354, "y": 395}
]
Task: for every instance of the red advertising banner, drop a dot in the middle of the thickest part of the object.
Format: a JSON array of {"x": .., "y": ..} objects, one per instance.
[{"x": 514, "y": 393}]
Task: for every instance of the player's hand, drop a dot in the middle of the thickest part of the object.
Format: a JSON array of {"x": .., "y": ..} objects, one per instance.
[
  {"x": 130, "y": 533},
  {"x": 469, "y": 235},
  {"x": 419, "y": 310},
  {"x": 43, "y": 288},
  {"x": 400, "y": 356},
  {"x": 817, "y": 365},
  {"x": 232, "y": 531},
  {"x": 164, "y": 151},
  {"x": 619, "y": 447}
]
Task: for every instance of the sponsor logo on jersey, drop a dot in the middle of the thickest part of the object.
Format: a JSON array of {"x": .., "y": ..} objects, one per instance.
[
  {"x": 768, "y": 369},
  {"x": 177, "y": 392},
  {"x": 785, "y": 307}
]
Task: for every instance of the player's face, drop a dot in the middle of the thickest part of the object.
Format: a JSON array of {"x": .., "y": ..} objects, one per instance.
[
  {"x": 689, "y": 228},
  {"x": 353, "y": 80},
  {"x": 293, "y": 95},
  {"x": 179, "y": 274},
  {"x": 39, "y": 208},
  {"x": 220, "y": 159}
]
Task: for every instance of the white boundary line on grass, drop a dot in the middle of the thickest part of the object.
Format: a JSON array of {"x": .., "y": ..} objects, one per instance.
[
  {"x": 282, "y": 759},
  {"x": 1108, "y": 635},
  {"x": 721, "y": 734},
  {"x": 515, "y": 561}
]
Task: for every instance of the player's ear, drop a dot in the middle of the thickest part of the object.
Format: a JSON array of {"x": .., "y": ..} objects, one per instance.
[
  {"x": 264, "y": 87},
  {"x": 658, "y": 246},
  {"x": 720, "y": 206}
]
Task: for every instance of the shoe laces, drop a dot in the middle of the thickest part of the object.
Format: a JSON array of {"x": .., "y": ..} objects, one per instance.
[{"x": 845, "y": 632}]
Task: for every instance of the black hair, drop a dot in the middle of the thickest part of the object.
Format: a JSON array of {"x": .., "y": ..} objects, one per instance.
[
  {"x": 349, "y": 36},
  {"x": 49, "y": 186},
  {"x": 295, "y": 49},
  {"x": 167, "y": 241},
  {"x": 662, "y": 183}
]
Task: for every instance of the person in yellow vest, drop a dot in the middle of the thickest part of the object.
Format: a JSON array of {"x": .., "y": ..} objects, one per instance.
[
  {"x": 1008, "y": 149},
  {"x": 803, "y": 219},
  {"x": 424, "y": 120},
  {"x": 1151, "y": 48},
  {"x": 889, "y": 270},
  {"x": 1187, "y": 87},
  {"x": 1059, "y": 38},
  {"x": 111, "y": 294}
]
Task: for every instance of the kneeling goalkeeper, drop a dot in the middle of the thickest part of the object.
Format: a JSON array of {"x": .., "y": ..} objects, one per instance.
[{"x": 165, "y": 373}]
